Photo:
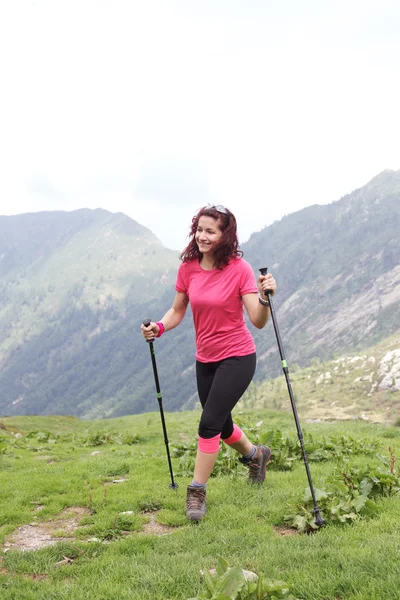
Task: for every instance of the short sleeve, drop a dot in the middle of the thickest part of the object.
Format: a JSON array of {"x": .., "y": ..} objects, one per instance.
[
  {"x": 181, "y": 283},
  {"x": 248, "y": 283}
]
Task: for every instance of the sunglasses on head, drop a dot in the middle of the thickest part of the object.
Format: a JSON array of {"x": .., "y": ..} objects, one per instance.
[{"x": 218, "y": 208}]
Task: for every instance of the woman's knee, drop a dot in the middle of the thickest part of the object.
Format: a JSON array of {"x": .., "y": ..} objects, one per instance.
[{"x": 208, "y": 428}]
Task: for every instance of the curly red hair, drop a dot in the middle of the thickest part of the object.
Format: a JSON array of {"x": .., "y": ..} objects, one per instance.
[{"x": 227, "y": 248}]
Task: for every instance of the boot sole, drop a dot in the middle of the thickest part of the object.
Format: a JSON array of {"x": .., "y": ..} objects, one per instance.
[{"x": 195, "y": 519}]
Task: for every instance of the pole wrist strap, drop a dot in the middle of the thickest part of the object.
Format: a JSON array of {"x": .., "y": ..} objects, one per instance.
[{"x": 161, "y": 328}]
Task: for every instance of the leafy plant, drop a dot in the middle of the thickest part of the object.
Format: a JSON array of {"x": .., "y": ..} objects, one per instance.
[
  {"x": 103, "y": 437},
  {"x": 229, "y": 583},
  {"x": 335, "y": 506},
  {"x": 356, "y": 488},
  {"x": 150, "y": 505},
  {"x": 285, "y": 451},
  {"x": 3, "y": 448},
  {"x": 374, "y": 481},
  {"x": 98, "y": 438},
  {"x": 338, "y": 447},
  {"x": 130, "y": 438},
  {"x": 41, "y": 436}
]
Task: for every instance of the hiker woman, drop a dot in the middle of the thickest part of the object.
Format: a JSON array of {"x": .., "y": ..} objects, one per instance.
[{"x": 218, "y": 283}]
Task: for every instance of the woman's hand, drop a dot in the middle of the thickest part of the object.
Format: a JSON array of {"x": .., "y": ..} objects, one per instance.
[
  {"x": 266, "y": 283},
  {"x": 150, "y": 332}
]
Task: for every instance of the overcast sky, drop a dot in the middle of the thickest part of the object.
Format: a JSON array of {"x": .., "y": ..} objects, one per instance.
[{"x": 157, "y": 107}]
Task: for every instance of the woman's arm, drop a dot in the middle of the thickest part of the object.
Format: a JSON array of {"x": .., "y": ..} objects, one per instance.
[
  {"x": 258, "y": 313},
  {"x": 171, "y": 319}
]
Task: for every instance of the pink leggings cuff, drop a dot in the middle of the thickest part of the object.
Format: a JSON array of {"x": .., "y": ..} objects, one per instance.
[
  {"x": 209, "y": 446},
  {"x": 235, "y": 437}
]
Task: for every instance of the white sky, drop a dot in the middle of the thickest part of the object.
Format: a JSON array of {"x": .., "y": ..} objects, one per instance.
[{"x": 156, "y": 107}]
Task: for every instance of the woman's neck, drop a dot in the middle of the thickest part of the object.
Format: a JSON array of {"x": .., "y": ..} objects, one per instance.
[{"x": 207, "y": 262}]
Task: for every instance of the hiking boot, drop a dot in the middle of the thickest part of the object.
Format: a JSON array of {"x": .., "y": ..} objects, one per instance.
[
  {"x": 258, "y": 464},
  {"x": 195, "y": 503}
]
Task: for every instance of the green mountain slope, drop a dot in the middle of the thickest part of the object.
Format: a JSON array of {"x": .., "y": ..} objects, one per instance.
[
  {"x": 362, "y": 386},
  {"x": 338, "y": 271},
  {"x": 76, "y": 286},
  {"x": 67, "y": 280}
]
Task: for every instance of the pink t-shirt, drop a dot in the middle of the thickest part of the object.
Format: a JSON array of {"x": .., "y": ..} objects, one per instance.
[{"x": 217, "y": 306}]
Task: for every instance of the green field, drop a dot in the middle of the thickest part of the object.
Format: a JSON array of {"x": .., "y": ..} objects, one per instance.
[{"x": 86, "y": 510}]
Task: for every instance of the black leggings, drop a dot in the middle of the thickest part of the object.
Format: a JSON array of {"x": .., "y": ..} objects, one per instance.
[{"x": 220, "y": 386}]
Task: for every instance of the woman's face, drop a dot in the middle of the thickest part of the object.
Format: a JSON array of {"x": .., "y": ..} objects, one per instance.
[{"x": 208, "y": 234}]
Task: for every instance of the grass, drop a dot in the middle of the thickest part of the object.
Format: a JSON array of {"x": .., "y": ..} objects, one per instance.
[{"x": 52, "y": 467}]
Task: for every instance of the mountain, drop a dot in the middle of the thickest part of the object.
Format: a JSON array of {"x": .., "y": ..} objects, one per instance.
[
  {"x": 68, "y": 282},
  {"x": 338, "y": 271},
  {"x": 75, "y": 287}
]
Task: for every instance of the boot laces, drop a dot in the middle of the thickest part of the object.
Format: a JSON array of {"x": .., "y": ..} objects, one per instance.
[
  {"x": 254, "y": 464},
  {"x": 195, "y": 498}
]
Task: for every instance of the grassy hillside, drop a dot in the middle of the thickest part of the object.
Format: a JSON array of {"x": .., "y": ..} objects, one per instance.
[
  {"x": 86, "y": 510},
  {"x": 357, "y": 386}
]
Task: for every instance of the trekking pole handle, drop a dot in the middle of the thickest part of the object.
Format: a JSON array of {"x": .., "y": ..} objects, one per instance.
[
  {"x": 264, "y": 271},
  {"x": 146, "y": 323}
]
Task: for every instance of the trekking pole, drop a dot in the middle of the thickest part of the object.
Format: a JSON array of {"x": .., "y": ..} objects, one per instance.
[
  {"x": 318, "y": 519},
  {"x": 172, "y": 485}
]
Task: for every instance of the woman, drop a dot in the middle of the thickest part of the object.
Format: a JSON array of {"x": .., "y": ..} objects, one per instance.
[{"x": 218, "y": 283}]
